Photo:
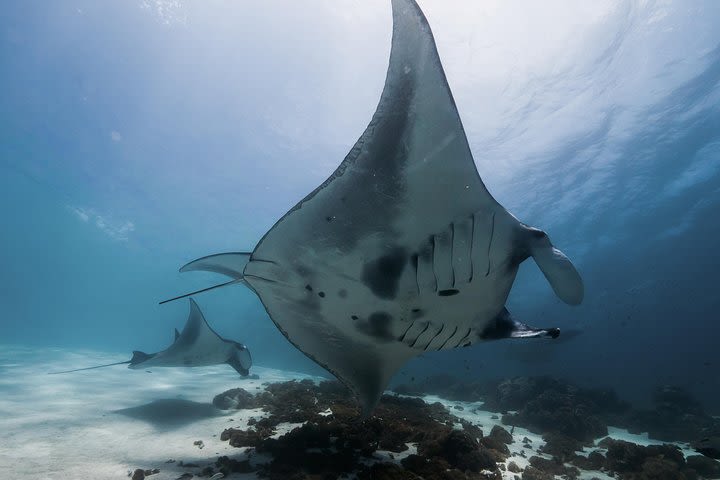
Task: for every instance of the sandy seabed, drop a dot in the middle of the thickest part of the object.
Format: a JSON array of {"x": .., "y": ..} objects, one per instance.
[{"x": 67, "y": 427}]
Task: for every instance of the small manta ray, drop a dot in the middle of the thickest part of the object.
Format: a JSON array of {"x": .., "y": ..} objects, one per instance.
[
  {"x": 402, "y": 250},
  {"x": 197, "y": 346}
]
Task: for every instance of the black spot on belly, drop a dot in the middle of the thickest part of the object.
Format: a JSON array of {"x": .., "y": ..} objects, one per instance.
[
  {"x": 383, "y": 274},
  {"x": 308, "y": 288},
  {"x": 342, "y": 293},
  {"x": 448, "y": 293},
  {"x": 377, "y": 326},
  {"x": 417, "y": 313},
  {"x": 354, "y": 317},
  {"x": 321, "y": 294}
]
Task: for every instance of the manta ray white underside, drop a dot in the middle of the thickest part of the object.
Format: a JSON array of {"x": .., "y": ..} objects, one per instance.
[{"x": 402, "y": 250}]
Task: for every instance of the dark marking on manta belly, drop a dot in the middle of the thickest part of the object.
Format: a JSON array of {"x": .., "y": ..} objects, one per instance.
[
  {"x": 308, "y": 288},
  {"x": 377, "y": 326},
  {"x": 382, "y": 275},
  {"x": 321, "y": 294},
  {"x": 417, "y": 313},
  {"x": 449, "y": 292}
]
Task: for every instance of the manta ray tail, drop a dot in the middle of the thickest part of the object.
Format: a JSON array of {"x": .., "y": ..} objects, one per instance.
[
  {"x": 229, "y": 264},
  {"x": 557, "y": 268},
  {"x": 91, "y": 368}
]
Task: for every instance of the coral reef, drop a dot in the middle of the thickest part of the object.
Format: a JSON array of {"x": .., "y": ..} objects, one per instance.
[
  {"x": 334, "y": 440},
  {"x": 545, "y": 405},
  {"x": 408, "y": 438},
  {"x": 236, "y": 398},
  {"x": 445, "y": 386},
  {"x": 676, "y": 416},
  {"x": 629, "y": 461},
  {"x": 709, "y": 446},
  {"x": 140, "y": 474}
]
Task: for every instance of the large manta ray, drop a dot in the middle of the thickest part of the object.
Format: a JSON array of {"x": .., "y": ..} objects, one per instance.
[
  {"x": 196, "y": 346},
  {"x": 402, "y": 250}
]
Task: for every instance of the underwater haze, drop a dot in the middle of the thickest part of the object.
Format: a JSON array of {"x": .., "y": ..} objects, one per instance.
[{"x": 139, "y": 135}]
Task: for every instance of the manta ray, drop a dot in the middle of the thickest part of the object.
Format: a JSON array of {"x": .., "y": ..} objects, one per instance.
[
  {"x": 402, "y": 250},
  {"x": 196, "y": 346}
]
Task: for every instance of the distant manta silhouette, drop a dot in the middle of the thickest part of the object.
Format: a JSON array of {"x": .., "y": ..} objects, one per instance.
[{"x": 197, "y": 346}]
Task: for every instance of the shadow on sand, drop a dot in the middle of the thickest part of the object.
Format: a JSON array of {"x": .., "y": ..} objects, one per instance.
[{"x": 169, "y": 413}]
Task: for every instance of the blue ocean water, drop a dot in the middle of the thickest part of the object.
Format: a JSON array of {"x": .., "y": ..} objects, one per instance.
[{"x": 136, "y": 136}]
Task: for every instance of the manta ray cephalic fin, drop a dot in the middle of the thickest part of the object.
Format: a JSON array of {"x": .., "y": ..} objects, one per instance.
[
  {"x": 238, "y": 366},
  {"x": 556, "y": 266}
]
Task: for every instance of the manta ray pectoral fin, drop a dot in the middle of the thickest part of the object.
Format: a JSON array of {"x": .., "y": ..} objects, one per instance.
[
  {"x": 557, "y": 268},
  {"x": 504, "y": 326},
  {"x": 229, "y": 264}
]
